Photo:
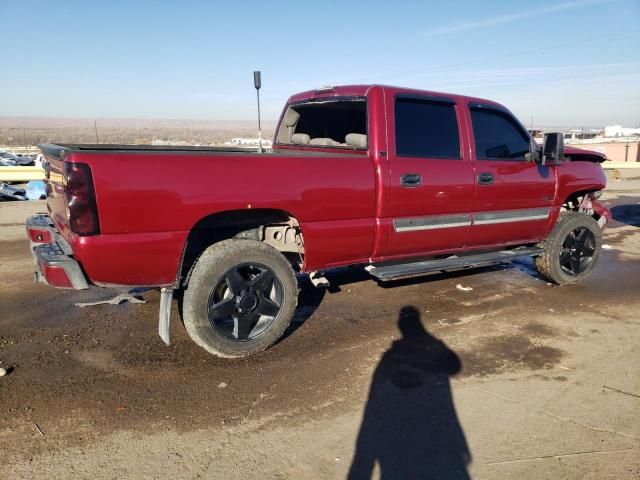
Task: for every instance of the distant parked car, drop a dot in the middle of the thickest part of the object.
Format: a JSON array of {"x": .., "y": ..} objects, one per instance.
[
  {"x": 8, "y": 159},
  {"x": 9, "y": 192},
  {"x": 26, "y": 160}
]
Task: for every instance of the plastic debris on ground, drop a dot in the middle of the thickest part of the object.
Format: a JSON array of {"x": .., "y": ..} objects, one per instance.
[
  {"x": 35, "y": 190},
  {"x": 464, "y": 289},
  {"x": 117, "y": 300}
]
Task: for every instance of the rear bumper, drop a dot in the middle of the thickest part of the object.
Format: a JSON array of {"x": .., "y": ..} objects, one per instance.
[{"x": 52, "y": 256}]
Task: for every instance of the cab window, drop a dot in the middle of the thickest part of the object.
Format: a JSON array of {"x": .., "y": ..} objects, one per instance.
[
  {"x": 426, "y": 129},
  {"x": 497, "y": 136}
]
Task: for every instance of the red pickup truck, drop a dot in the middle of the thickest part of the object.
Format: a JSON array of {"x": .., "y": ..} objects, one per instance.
[{"x": 400, "y": 181}]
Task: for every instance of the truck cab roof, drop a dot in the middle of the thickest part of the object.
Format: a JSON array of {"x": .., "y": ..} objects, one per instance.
[{"x": 363, "y": 91}]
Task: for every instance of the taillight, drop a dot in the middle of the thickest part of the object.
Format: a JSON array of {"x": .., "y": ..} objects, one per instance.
[{"x": 81, "y": 199}]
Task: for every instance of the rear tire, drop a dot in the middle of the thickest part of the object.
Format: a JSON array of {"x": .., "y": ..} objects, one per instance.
[
  {"x": 241, "y": 297},
  {"x": 571, "y": 250}
]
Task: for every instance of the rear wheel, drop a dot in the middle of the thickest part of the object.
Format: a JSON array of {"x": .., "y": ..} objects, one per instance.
[
  {"x": 240, "y": 299},
  {"x": 571, "y": 249}
]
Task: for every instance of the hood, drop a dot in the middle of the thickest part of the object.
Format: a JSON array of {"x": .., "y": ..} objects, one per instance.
[{"x": 581, "y": 155}]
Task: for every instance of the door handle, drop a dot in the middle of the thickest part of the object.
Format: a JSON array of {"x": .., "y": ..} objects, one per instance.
[
  {"x": 410, "y": 180},
  {"x": 485, "y": 179}
]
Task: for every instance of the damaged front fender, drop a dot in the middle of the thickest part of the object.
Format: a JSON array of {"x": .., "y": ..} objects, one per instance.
[{"x": 596, "y": 209}]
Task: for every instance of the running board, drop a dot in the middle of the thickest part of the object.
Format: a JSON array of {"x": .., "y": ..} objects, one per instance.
[{"x": 392, "y": 272}]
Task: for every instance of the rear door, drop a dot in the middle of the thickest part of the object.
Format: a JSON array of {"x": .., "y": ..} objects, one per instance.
[
  {"x": 513, "y": 195},
  {"x": 427, "y": 206}
]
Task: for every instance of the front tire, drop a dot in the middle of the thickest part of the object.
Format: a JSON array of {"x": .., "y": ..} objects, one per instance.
[
  {"x": 571, "y": 249},
  {"x": 241, "y": 297}
]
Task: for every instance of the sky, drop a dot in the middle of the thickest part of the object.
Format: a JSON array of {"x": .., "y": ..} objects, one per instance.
[{"x": 556, "y": 63}]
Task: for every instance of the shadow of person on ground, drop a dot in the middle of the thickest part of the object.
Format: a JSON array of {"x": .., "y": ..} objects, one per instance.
[{"x": 410, "y": 427}]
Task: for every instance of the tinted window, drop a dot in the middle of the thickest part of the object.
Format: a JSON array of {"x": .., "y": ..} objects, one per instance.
[
  {"x": 426, "y": 129},
  {"x": 497, "y": 136}
]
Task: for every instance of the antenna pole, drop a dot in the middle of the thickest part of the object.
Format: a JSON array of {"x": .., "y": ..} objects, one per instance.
[
  {"x": 258, "y": 83},
  {"x": 259, "y": 126}
]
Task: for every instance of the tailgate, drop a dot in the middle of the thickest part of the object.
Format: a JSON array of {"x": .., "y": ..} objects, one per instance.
[{"x": 53, "y": 165}]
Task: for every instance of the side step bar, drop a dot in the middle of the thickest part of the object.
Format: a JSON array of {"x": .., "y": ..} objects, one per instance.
[{"x": 392, "y": 272}]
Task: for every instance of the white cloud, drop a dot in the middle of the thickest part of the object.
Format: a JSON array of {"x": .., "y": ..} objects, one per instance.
[{"x": 512, "y": 17}]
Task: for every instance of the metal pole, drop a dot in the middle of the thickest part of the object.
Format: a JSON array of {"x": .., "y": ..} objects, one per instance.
[
  {"x": 259, "y": 126},
  {"x": 257, "y": 82}
]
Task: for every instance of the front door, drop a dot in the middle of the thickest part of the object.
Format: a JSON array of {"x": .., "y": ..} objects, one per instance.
[
  {"x": 513, "y": 195},
  {"x": 427, "y": 207}
]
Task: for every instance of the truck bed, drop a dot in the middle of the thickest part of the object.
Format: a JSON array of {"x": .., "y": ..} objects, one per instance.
[{"x": 150, "y": 197}]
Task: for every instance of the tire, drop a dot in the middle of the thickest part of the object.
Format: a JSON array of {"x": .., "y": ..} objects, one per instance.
[
  {"x": 571, "y": 250},
  {"x": 229, "y": 307}
]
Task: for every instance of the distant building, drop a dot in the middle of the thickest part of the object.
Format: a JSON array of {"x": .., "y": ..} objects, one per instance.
[
  {"x": 159, "y": 141},
  {"x": 248, "y": 141},
  {"x": 576, "y": 134},
  {"x": 618, "y": 143},
  {"x": 620, "y": 131}
]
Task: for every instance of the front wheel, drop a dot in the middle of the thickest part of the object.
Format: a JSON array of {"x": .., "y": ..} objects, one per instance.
[
  {"x": 241, "y": 297},
  {"x": 571, "y": 249}
]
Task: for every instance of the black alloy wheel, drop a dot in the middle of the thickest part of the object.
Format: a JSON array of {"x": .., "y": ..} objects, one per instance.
[
  {"x": 245, "y": 302},
  {"x": 240, "y": 298},
  {"x": 577, "y": 251},
  {"x": 571, "y": 249}
]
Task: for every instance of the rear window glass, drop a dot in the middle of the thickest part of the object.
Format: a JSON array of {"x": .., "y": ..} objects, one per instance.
[
  {"x": 332, "y": 119},
  {"x": 325, "y": 123},
  {"x": 426, "y": 128}
]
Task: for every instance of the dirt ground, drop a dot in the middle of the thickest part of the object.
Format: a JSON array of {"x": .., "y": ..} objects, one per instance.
[{"x": 418, "y": 379}]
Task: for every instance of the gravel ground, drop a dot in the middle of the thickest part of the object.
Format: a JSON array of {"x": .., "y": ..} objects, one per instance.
[{"x": 513, "y": 379}]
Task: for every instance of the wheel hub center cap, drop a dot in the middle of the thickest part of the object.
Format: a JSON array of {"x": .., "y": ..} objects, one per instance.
[{"x": 248, "y": 302}]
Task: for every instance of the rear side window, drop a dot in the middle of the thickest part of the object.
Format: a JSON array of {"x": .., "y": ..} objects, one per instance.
[
  {"x": 497, "y": 136},
  {"x": 426, "y": 128}
]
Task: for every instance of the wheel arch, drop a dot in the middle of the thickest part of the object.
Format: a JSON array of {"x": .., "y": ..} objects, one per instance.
[
  {"x": 245, "y": 223},
  {"x": 574, "y": 197}
]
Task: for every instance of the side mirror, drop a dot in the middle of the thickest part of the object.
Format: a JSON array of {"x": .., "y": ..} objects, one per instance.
[{"x": 553, "y": 149}]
